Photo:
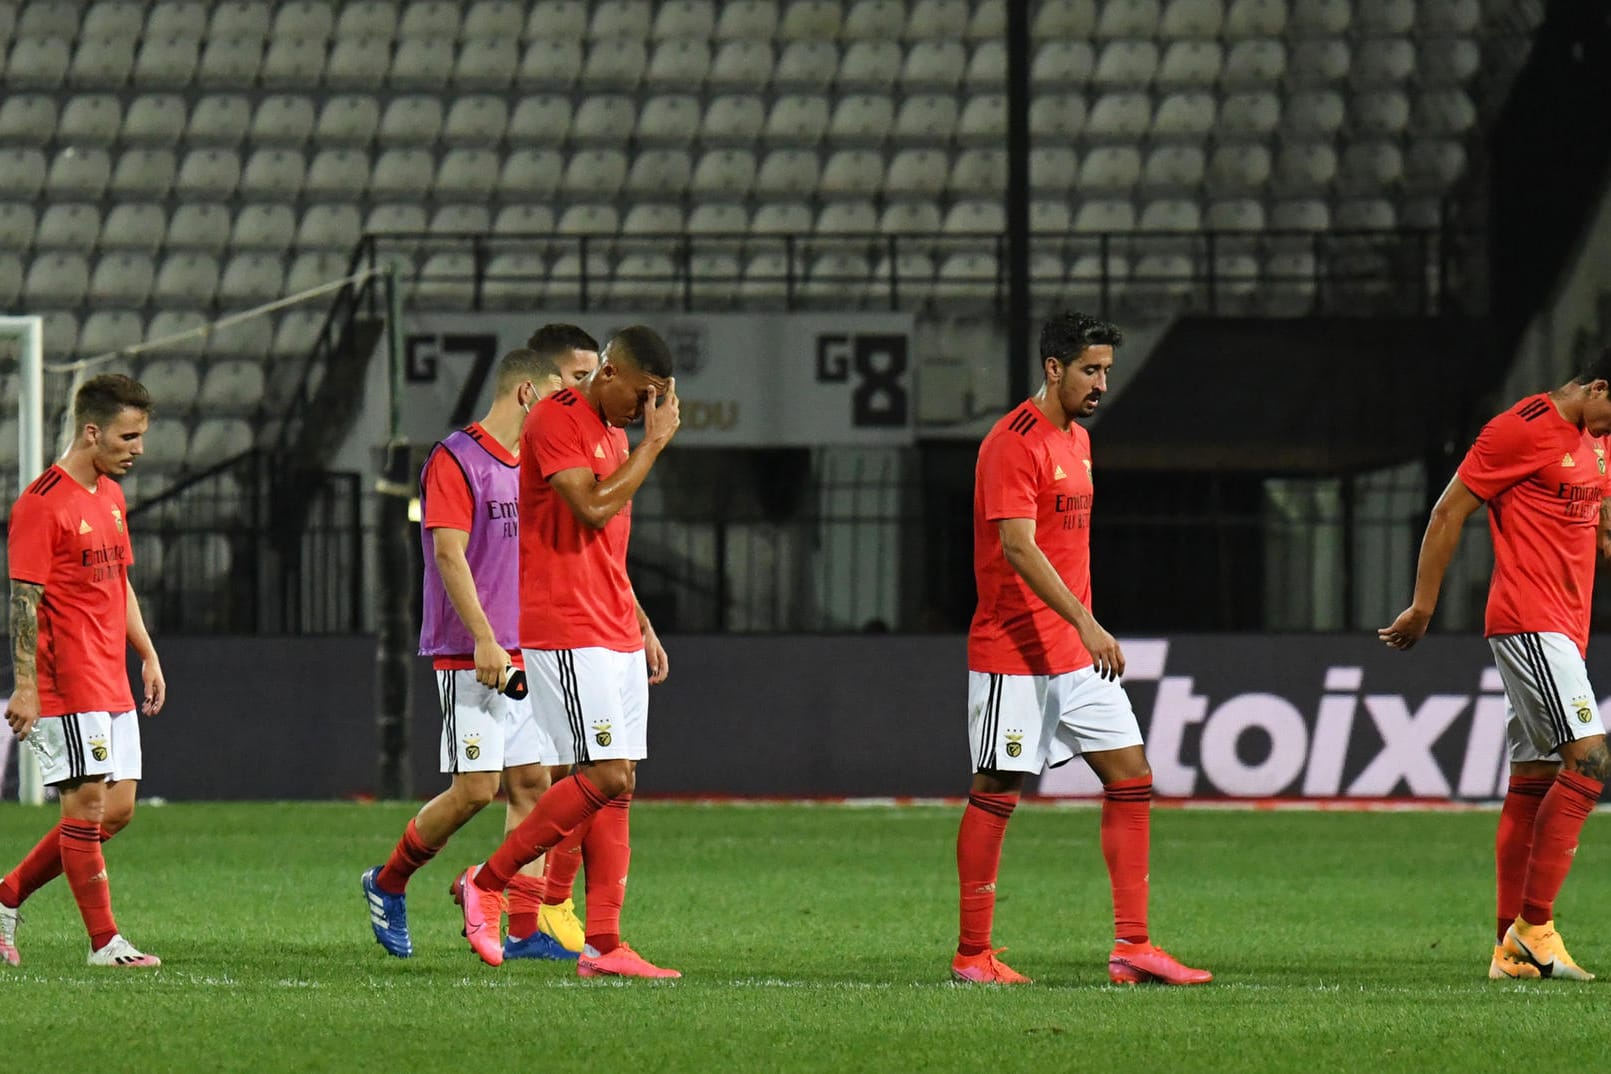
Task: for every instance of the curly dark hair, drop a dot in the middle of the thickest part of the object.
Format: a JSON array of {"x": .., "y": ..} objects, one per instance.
[
  {"x": 1595, "y": 368},
  {"x": 1065, "y": 337}
]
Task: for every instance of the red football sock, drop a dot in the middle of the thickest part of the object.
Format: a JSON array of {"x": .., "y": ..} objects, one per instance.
[
  {"x": 1513, "y": 845},
  {"x": 559, "y": 870},
  {"x": 408, "y": 856},
  {"x": 1555, "y": 831},
  {"x": 1126, "y": 844},
  {"x": 607, "y": 850},
  {"x": 525, "y": 896},
  {"x": 86, "y": 875},
  {"x": 984, "y": 826},
  {"x": 561, "y": 808},
  {"x": 42, "y": 865}
]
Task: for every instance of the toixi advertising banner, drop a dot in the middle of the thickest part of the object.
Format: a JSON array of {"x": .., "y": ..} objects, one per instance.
[
  {"x": 1318, "y": 717},
  {"x": 744, "y": 380}
]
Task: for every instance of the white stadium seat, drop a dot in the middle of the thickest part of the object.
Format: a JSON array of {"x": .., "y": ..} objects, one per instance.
[
  {"x": 264, "y": 227},
  {"x": 121, "y": 279},
  {"x": 139, "y": 173},
  {"x": 130, "y": 225},
  {"x": 68, "y": 226},
  {"x": 283, "y": 120},
  {"x": 219, "y": 120},
  {"x": 199, "y": 228}
]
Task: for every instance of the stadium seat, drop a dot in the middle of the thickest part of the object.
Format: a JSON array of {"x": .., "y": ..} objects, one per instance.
[
  {"x": 313, "y": 268},
  {"x": 1190, "y": 19},
  {"x": 934, "y": 65},
  {"x": 1064, "y": 19},
  {"x": 949, "y": 20},
  {"x": 131, "y": 225},
  {"x": 725, "y": 173},
  {"x": 38, "y": 63},
  {"x": 557, "y": 19},
  {"x": 718, "y": 219},
  {"x": 421, "y": 63},
  {"x": 154, "y": 119},
  {"x": 58, "y": 278},
  {"x": 1313, "y": 114},
  {"x": 1304, "y": 168},
  {"x": 797, "y": 120},
  {"x": 917, "y": 173},
  {"x": 1171, "y": 214},
  {"x": 296, "y": 333},
  {"x": 1235, "y": 214},
  {"x": 747, "y": 19},
  {"x": 251, "y": 278},
  {"x": 668, "y": 119},
  {"x": 110, "y": 330},
  {"x": 1365, "y": 214},
  {"x": 620, "y": 18},
  {"x": 1385, "y": 16},
  {"x": 836, "y": 275},
  {"x": 967, "y": 275},
  {"x": 283, "y": 120},
  {"x": 489, "y": 19},
  {"x": 874, "y": 20},
  {"x": 594, "y": 173},
  {"x": 372, "y": 19},
  {"x": 550, "y": 64},
  {"x": 78, "y": 172},
  {"x": 644, "y": 279},
  {"x": 1256, "y": 18},
  {"x": 28, "y": 119},
  {"x": 250, "y": 338},
  {"x": 783, "y": 218},
  {"x": 172, "y": 381},
  {"x": 1132, "y": 19},
  {"x": 926, "y": 119},
  {"x": 530, "y": 174},
  {"x": 604, "y": 120},
  {"x": 1097, "y": 215},
  {"x": 679, "y": 63},
  {"x": 121, "y": 279},
  {"x": 430, "y": 18},
  {"x": 1383, "y": 63},
  {"x": 477, "y": 120},
  {"x": 1443, "y": 113},
  {"x": 1369, "y": 167},
  {"x": 513, "y": 280},
  {"x": 337, "y": 173},
  {"x": 1121, "y": 116},
  {"x": 1057, "y": 116},
  {"x": 852, "y": 173},
  {"x": 208, "y": 173},
  {"x": 1254, "y": 64},
  {"x": 327, "y": 227},
  {"x": 765, "y": 279},
  {"x": 862, "y": 117},
  {"x": 684, "y": 18},
  {"x": 402, "y": 173},
  {"x": 275, "y": 174},
  {"x": 788, "y": 173},
  {"x": 811, "y": 19},
  {"x": 166, "y": 62},
  {"x": 68, "y": 226},
  {"x": 1449, "y": 61},
  {"x": 1319, "y": 62},
  {"x": 616, "y": 63},
  {"x": 734, "y": 119},
  {"x": 293, "y": 62},
  {"x": 241, "y": 19},
  {"x": 806, "y": 67},
  {"x": 870, "y": 66},
  {"x": 140, "y": 173},
  {"x": 1433, "y": 164},
  {"x": 61, "y": 329},
  {"x": 742, "y": 64},
  {"x": 217, "y": 439},
  {"x": 231, "y": 387},
  {"x": 414, "y": 120},
  {"x": 1320, "y": 18},
  {"x": 395, "y": 219},
  {"x": 588, "y": 220},
  {"x": 909, "y": 218},
  {"x": 983, "y": 120},
  {"x": 1062, "y": 65},
  {"x": 1193, "y": 64},
  {"x": 219, "y": 121},
  {"x": 90, "y": 120},
  {"x": 658, "y": 173},
  {"x": 543, "y": 120},
  {"x": 1185, "y": 115},
  {"x": 1383, "y": 113},
  {"x": 263, "y": 227},
  {"x": 347, "y": 120},
  {"x": 1174, "y": 168},
  {"x": 106, "y": 19},
  {"x": 16, "y": 225},
  {"x": 987, "y": 67},
  {"x": 1126, "y": 65},
  {"x": 846, "y": 217},
  {"x": 1110, "y": 169},
  {"x": 1052, "y": 169},
  {"x": 1448, "y": 16},
  {"x": 199, "y": 228},
  {"x": 653, "y": 219},
  {"x": 229, "y": 63},
  {"x": 355, "y": 63},
  {"x": 166, "y": 443},
  {"x": 978, "y": 173},
  {"x": 176, "y": 18},
  {"x": 974, "y": 217},
  {"x": 1248, "y": 114},
  {"x": 101, "y": 62},
  {"x": 1300, "y": 214}
]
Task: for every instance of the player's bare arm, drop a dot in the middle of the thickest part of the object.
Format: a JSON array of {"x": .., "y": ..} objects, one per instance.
[
  {"x": 155, "y": 693},
  {"x": 1031, "y": 564},
  {"x": 448, "y": 548},
  {"x": 654, "y": 653},
  {"x": 1449, "y": 515},
  {"x": 595, "y": 501},
  {"x": 1602, "y": 533},
  {"x": 22, "y": 712}
]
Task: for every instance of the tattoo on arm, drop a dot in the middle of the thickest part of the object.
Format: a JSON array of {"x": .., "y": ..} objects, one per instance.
[{"x": 25, "y": 599}]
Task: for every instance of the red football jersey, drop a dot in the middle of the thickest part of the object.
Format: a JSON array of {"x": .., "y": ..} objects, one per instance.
[
  {"x": 75, "y": 543},
  {"x": 574, "y": 591},
  {"x": 449, "y": 505},
  {"x": 1029, "y": 468},
  {"x": 1543, "y": 479}
]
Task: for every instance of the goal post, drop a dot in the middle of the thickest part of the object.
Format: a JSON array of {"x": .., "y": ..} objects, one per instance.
[{"x": 24, "y": 336}]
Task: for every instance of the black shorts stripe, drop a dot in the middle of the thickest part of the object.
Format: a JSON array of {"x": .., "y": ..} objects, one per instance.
[
  {"x": 1533, "y": 647},
  {"x": 450, "y": 729},
  {"x": 75, "y": 746},
  {"x": 988, "y": 725},
  {"x": 573, "y": 705}
]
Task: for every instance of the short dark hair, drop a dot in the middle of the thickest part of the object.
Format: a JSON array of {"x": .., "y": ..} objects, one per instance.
[
  {"x": 523, "y": 364},
  {"x": 555, "y": 341},
  {"x": 642, "y": 347},
  {"x": 1594, "y": 367},
  {"x": 101, "y": 399},
  {"x": 1065, "y": 337}
]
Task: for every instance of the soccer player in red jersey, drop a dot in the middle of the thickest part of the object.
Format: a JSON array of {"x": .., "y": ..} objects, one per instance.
[
  {"x": 73, "y": 612},
  {"x": 1540, "y": 467},
  {"x": 1043, "y": 675},
  {"x": 469, "y": 491},
  {"x": 590, "y": 651}
]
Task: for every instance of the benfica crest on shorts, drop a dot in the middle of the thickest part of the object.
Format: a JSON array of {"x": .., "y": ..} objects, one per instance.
[{"x": 601, "y": 734}]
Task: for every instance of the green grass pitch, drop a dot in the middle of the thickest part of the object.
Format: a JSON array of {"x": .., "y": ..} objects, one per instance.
[{"x": 812, "y": 938}]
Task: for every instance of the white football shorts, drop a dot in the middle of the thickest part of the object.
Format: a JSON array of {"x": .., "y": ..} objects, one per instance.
[
  {"x": 1548, "y": 699},
  {"x": 1023, "y": 723},
  {"x": 484, "y": 730},
  {"x": 592, "y": 703},
  {"x": 88, "y": 744}
]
